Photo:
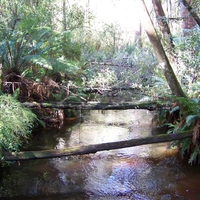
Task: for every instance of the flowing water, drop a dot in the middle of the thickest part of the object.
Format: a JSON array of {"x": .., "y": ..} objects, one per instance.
[{"x": 148, "y": 172}]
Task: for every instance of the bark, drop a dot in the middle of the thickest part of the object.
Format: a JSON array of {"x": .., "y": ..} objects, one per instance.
[
  {"x": 93, "y": 148},
  {"x": 190, "y": 9},
  {"x": 160, "y": 53},
  {"x": 1, "y": 78},
  {"x": 64, "y": 15},
  {"x": 166, "y": 32},
  {"x": 162, "y": 22},
  {"x": 96, "y": 106}
]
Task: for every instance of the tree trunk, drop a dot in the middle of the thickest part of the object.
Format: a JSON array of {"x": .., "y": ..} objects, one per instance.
[
  {"x": 1, "y": 77},
  {"x": 189, "y": 15},
  {"x": 160, "y": 53},
  {"x": 167, "y": 36},
  {"x": 163, "y": 24},
  {"x": 93, "y": 148},
  {"x": 96, "y": 106},
  {"x": 64, "y": 15}
]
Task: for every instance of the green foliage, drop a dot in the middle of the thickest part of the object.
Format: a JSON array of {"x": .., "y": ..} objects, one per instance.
[
  {"x": 75, "y": 17},
  {"x": 36, "y": 42},
  {"x": 65, "y": 44},
  {"x": 19, "y": 51},
  {"x": 192, "y": 122},
  {"x": 66, "y": 66},
  {"x": 104, "y": 43},
  {"x": 185, "y": 145},
  {"x": 189, "y": 57},
  {"x": 159, "y": 83},
  {"x": 103, "y": 79},
  {"x": 195, "y": 155},
  {"x": 32, "y": 41},
  {"x": 16, "y": 123},
  {"x": 190, "y": 119},
  {"x": 130, "y": 66},
  {"x": 25, "y": 15}
]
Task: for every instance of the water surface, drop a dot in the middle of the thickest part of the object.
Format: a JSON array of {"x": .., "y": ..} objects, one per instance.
[{"x": 148, "y": 172}]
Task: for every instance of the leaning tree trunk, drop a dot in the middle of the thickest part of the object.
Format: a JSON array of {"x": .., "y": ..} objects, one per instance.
[
  {"x": 163, "y": 24},
  {"x": 1, "y": 77},
  {"x": 191, "y": 16},
  {"x": 166, "y": 33},
  {"x": 160, "y": 52}
]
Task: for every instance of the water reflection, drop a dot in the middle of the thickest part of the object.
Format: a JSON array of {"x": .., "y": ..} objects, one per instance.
[{"x": 144, "y": 172}]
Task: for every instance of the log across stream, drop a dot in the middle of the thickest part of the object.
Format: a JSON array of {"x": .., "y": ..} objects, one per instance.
[
  {"x": 87, "y": 149},
  {"x": 95, "y": 105},
  {"x": 93, "y": 148}
]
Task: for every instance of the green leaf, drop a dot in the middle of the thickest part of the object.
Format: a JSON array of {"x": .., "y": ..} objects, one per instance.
[
  {"x": 194, "y": 155},
  {"x": 190, "y": 119},
  {"x": 176, "y": 108},
  {"x": 38, "y": 60},
  {"x": 16, "y": 93},
  {"x": 185, "y": 144},
  {"x": 16, "y": 123}
]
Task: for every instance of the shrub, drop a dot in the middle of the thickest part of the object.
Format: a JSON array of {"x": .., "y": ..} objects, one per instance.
[{"x": 16, "y": 123}]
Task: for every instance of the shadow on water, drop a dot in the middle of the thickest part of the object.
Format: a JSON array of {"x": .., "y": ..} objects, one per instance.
[{"x": 148, "y": 172}]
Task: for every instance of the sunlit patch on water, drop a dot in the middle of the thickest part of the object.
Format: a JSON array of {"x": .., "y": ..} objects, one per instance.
[
  {"x": 96, "y": 134},
  {"x": 118, "y": 178}
]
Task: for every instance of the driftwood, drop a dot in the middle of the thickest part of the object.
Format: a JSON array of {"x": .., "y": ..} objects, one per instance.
[
  {"x": 87, "y": 149},
  {"x": 95, "y": 105}
]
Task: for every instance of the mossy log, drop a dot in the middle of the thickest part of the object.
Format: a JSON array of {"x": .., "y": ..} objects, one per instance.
[
  {"x": 95, "y": 105},
  {"x": 93, "y": 148},
  {"x": 113, "y": 89}
]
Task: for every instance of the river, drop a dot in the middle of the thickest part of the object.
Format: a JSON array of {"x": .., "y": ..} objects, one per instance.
[{"x": 148, "y": 172}]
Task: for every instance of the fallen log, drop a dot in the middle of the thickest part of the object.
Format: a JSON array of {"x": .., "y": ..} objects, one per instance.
[
  {"x": 99, "y": 90},
  {"x": 93, "y": 148},
  {"x": 95, "y": 105}
]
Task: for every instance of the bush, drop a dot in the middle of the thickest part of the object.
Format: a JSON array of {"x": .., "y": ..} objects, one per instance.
[
  {"x": 189, "y": 57},
  {"x": 16, "y": 123}
]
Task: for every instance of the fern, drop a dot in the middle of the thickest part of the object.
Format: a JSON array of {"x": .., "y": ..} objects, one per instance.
[
  {"x": 192, "y": 120},
  {"x": 63, "y": 65},
  {"x": 176, "y": 108},
  {"x": 185, "y": 145},
  {"x": 19, "y": 50},
  {"x": 38, "y": 60},
  {"x": 193, "y": 157},
  {"x": 16, "y": 123}
]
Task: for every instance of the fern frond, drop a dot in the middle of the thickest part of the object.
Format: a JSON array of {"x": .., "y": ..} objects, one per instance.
[
  {"x": 194, "y": 156},
  {"x": 38, "y": 60},
  {"x": 66, "y": 66},
  {"x": 16, "y": 123}
]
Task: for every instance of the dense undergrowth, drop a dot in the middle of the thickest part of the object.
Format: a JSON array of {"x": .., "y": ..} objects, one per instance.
[{"x": 16, "y": 123}]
